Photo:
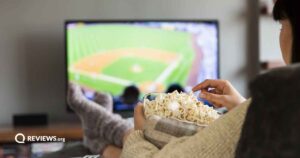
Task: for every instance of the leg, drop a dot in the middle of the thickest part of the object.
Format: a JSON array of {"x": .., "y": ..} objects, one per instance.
[
  {"x": 105, "y": 100},
  {"x": 100, "y": 126}
]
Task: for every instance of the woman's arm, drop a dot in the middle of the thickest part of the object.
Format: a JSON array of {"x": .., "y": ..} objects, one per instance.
[
  {"x": 137, "y": 146},
  {"x": 219, "y": 139}
]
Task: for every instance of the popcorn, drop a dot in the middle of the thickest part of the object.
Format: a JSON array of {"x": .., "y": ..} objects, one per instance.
[{"x": 181, "y": 106}]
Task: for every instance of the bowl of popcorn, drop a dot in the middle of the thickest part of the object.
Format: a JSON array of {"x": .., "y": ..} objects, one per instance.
[{"x": 180, "y": 106}]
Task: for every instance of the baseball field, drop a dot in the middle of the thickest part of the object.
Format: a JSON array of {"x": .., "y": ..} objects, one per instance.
[{"x": 111, "y": 56}]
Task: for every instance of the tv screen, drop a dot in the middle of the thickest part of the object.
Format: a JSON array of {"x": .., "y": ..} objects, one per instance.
[{"x": 150, "y": 55}]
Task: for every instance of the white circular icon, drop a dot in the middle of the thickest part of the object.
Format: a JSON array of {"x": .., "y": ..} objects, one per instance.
[{"x": 22, "y": 140}]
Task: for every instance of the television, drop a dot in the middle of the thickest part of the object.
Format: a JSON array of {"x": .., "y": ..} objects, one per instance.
[{"x": 108, "y": 56}]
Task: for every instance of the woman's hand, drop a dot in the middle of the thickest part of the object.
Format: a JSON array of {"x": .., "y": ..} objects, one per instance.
[
  {"x": 139, "y": 118},
  {"x": 220, "y": 93}
]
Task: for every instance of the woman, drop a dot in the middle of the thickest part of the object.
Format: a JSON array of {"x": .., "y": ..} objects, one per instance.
[
  {"x": 275, "y": 112},
  {"x": 108, "y": 133}
]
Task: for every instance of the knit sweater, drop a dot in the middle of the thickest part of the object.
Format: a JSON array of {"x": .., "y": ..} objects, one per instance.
[{"x": 218, "y": 140}]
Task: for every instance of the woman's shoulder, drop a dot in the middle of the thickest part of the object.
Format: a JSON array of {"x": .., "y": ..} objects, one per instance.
[
  {"x": 276, "y": 86},
  {"x": 276, "y": 77}
]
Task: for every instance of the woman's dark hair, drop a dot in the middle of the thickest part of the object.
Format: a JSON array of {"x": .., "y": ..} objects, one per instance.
[{"x": 287, "y": 9}]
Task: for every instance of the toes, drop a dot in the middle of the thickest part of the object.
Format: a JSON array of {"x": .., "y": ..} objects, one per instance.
[
  {"x": 104, "y": 99},
  {"x": 74, "y": 96}
]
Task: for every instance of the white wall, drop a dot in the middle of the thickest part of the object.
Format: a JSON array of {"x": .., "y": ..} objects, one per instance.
[
  {"x": 269, "y": 39},
  {"x": 32, "y": 50}
]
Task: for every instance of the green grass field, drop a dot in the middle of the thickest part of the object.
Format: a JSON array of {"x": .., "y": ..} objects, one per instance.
[
  {"x": 83, "y": 41},
  {"x": 127, "y": 73}
]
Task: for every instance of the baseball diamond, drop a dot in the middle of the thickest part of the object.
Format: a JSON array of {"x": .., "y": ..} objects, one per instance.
[{"x": 148, "y": 57}]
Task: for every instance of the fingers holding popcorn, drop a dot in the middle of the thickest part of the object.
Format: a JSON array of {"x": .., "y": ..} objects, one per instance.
[{"x": 220, "y": 93}]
